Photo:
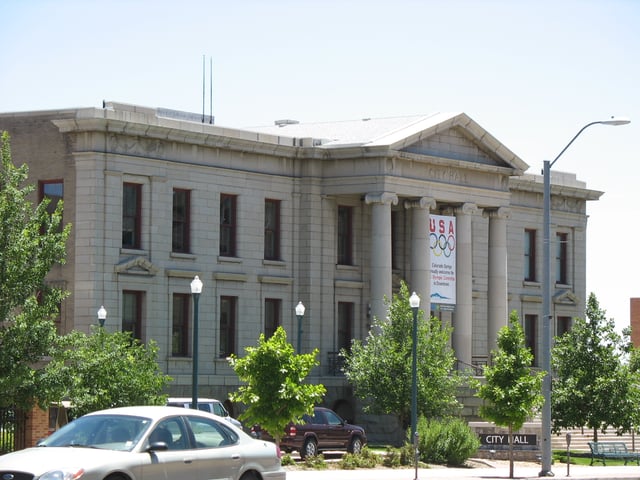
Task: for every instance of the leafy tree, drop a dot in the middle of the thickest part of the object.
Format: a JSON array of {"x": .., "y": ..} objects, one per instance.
[
  {"x": 31, "y": 242},
  {"x": 511, "y": 389},
  {"x": 105, "y": 370},
  {"x": 593, "y": 386},
  {"x": 380, "y": 369},
  {"x": 275, "y": 394}
]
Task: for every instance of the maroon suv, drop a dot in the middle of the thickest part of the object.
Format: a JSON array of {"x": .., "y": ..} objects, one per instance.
[{"x": 323, "y": 431}]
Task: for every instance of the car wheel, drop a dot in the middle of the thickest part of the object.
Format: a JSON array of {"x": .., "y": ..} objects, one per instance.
[
  {"x": 355, "y": 446},
  {"x": 309, "y": 449},
  {"x": 250, "y": 476},
  {"x": 117, "y": 477}
]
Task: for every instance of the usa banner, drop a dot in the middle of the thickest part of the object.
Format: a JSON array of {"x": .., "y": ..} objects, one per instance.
[{"x": 442, "y": 243}]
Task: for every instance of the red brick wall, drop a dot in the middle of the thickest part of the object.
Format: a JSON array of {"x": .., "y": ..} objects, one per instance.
[
  {"x": 635, "y": 321},
  {"x": 37, "y": 426}
]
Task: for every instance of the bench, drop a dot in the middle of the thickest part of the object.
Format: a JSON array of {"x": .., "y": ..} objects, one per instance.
[{"x": 602, "y": 451}]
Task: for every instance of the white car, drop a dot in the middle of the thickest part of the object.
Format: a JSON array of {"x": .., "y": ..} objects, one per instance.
[
  {"x": 147, "y": 442},
  {"x": 210, "y": 405}
]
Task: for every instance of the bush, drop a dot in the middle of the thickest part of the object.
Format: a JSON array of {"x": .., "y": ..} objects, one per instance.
[
  {"x": 316, "y": 462},
  {"x": 287, "y": 459},
  {"x": 448, "y": 441},
  {"x": 399, "y": 457},
  {"x": 365, "y": 459}
]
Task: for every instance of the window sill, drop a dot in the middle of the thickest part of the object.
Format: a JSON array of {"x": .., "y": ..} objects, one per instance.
[
  {"x": 185, "y": 256},
  {"x": 531, "y": 283},
  {"x": 133, "y": 251},
  {"x": 223, "y": 259},
  {"x": 274, "y": 263}
]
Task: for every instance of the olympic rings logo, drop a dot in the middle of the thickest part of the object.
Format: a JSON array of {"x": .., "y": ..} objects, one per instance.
[{"x": 442, "y": 244}]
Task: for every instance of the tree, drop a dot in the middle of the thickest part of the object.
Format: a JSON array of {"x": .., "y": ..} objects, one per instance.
[
  {"x": 512, "y": 391},
  {"x": 31, "y": 242},
  {"x": 592, "y": 386},
  {"x": 380, "y": 369},
  {"x": 274, "y": 393},
  {"x": 105, "y": 370}
]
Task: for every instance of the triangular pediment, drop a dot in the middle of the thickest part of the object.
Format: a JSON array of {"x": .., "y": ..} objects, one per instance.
[
  {"x": 566, "y": 297},
  {"x": 136, "y": 266}
]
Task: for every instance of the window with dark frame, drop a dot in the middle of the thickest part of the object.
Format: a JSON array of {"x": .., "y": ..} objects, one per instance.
[
  {"x": 228, "y": 318},
  {"x": 530, "y": 335},
  {"x": 345, "y": 325},
  {"x": 561, "y": 258},
  {"x": 272, "y": 319},
  {"x": 54, "y": 191},
  {"x": 180, "y": 325},
  {"x": 271, "y": 229},
  {"x": 228, "y": 225},
  {"x": 530, "y": 255},
  {"x": 345, "y": 235},
  {"x": 132, "y": 312},
  {"x": 131, "y": 215},
  {"x": 563, "y": 326},
  {"x": 180, "y": 241}
]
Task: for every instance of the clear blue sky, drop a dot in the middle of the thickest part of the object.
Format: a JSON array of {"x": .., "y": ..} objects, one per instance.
[{"x": 530, "y": 72}]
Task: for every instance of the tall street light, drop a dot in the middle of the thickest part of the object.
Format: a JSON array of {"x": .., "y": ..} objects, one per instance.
[
  {"x": 102, "y": 315},
  {"x": 196, "y": 289},
  {"x": 300, "y": 313},
  {"x": 414, "y": 302},
  {"x": 546, "y": 298}
]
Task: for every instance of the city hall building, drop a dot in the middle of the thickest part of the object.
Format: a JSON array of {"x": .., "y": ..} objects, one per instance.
[{"x": 333, "y": 215}]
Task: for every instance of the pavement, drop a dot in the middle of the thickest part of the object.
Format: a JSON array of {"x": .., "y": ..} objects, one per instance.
[{"x": 488, "y": 472}]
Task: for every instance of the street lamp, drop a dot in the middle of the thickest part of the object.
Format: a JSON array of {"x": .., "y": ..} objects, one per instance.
[
  {"x": 102, "y": 315},
  {"x": 196, "y": 289},
  {"x": 546, "y": 298},
  {"x": 300, "y": 313},
  {"x": 414, "y": 302}
]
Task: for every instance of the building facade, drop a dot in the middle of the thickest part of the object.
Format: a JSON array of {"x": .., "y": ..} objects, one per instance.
[{"x": 335, "y": 215}]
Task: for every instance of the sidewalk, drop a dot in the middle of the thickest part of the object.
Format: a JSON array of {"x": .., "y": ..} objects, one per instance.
[{"x": 485, "y": 473}]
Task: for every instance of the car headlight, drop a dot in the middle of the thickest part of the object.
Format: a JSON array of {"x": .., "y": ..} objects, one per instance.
[{"x": 63, "y": 474}]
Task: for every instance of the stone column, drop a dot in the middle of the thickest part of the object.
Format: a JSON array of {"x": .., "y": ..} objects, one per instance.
[
  {"x": 380, "y": 250},
  {"x": 461, "y": 339},
  {"x": 420, "y": 251},
  {"x": 498, "y": 315}
]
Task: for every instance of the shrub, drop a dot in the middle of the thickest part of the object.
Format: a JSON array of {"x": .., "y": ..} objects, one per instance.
[
  {"x": 287, "y": 459},
  {"x": 399, "y": 457},
  {"x": 365, "y": 459},
  {"x": 316, "y": 462},
  {"x": 448, "y": 441}
]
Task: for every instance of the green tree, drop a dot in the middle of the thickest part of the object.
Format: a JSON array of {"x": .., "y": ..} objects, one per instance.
[
  {"x": 274, "y": 392},
  {"x": 593, "y": 386},
  {"x": 380, "y": 369},
  {"x": 512, "y": 391},
  {"x": 105, "y": 370},
  {"x": 31, "y": 242}
]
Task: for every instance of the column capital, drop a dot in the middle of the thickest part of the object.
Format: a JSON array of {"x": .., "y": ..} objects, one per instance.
[
  {"x": 423, "y": 203},
  {"x": 384, "y": 198},
  {"x": 467, "y": 209},
  {"x": 501, "y": 213}
]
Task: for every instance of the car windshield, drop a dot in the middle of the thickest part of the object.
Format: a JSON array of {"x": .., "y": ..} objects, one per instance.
[{"x": 110, "y": 432}]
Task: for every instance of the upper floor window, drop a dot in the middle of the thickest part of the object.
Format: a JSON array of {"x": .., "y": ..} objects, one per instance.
[
  {"x": 131, "y": 215},
  {"x": 563, "y": 326},
  {"x": 562, "y": 258},
  {"x": 53, "y": 190},
  {"x": 272, "y": 309},
  {"x": 132, "y": 312},
  {"x": 180, "y": 241},
  {"x": 345, "y": 235},
  {"x": 228, "y": 224},
  {"x": 180, "y": 325},
  {"x": 272, "y": 229},
  {"x": 228, "y": 318},
  {"x": 530, "y": 255},
  {"x": 530, "y": 335},
  {"x": 345, "y": 325}
]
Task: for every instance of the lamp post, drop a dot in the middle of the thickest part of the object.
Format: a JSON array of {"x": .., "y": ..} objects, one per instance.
[
  {"x": 196, "y": 289},
  {"x": 546, "y": 298},
  {"x": 414, "y": 302},
  {"x": 300, "y": 313},
  {"x": 102, "y": 315}
]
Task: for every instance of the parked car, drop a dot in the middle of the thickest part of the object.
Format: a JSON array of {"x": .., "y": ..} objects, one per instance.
[
  {"x": 150, "y": 443},
  {"x": 322, "y": 431},
  {"x": 210, "y": 405}
]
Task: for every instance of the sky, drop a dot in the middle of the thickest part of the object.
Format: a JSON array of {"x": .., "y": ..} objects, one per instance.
[{"x": 530, "y": 72}]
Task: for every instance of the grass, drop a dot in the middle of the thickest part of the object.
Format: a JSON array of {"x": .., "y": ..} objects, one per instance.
[{"x": 583, "y": 458}]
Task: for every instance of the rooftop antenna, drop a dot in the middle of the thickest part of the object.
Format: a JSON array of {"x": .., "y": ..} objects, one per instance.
[
  {"x": 211, "y": 90},
  {"x": 203, "y": 88}
]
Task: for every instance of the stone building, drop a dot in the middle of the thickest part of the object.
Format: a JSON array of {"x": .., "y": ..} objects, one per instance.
[{"x": 331, "y": 214}]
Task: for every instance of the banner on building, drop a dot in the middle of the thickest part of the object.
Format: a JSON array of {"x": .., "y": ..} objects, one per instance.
[{"x": 442, "y": 243}]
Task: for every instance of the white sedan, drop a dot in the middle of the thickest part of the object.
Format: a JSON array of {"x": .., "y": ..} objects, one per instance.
[{"x": 150, "y": 443}]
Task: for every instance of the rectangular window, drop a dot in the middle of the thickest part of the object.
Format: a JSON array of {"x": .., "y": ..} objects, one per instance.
[
  {"x": 561, "y": 258},
  {"x": 530, "y": 335},
  {"x": 564, "y": 325},
  {"x": 228, "y": 316},
  {"x": 180, "y": 325},
  {"x": 530, "y": 255},
  {"x": 131, "y": 215},
  {"x": 181, "y": 221},
  {"x": 228, "y": 225},
  {"x": 272, "y": 309},
  {"x": 53, "y": 190},
  {"x": 345, "y": 235},
  {"x": 132, "y": 312},
  {"x": 345, "y": 325},
  {"x": 272, "y": 229}
]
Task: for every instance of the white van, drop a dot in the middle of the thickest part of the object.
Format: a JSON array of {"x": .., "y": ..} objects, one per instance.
[{"x": 210, "y": 405}]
